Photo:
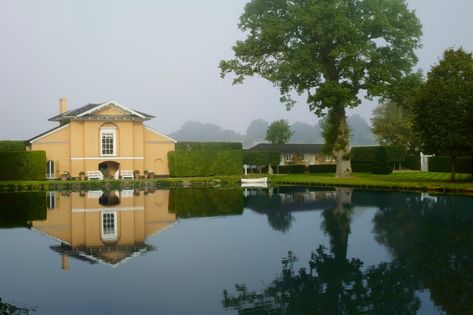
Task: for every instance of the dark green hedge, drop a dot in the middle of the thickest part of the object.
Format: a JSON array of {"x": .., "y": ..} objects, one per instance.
[
  {"x": 204, "y": 202},
  {"x": 12, "y": 145},
  {"x": 208, "y": 146},
  {"x": 367, "y": 154},
  {"x": 23, "y": 165},
  {"x": 291, "y": 169},
  {"x": 205, "y": 163},
  {"x": 443, "y": 164},
  {"x": 261, "y": 158},
  {"x": 324, "y": 168},
  {"x": 412, "y": 162},
  {"x": 382, "y": 164},
  {"x": 19, "y": 209},
  {"x": 361, "y": 166}
]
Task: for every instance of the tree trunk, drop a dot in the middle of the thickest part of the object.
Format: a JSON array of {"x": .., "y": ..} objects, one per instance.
[
  {"x": 341, "y": 148},
  {"x": 453, "y": 167}
]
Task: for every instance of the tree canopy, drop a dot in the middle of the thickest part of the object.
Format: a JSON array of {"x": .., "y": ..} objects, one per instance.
[
  {"x": 329, "y": 50},
  {"x": 279, "y": 132},
  {"x": 444, "y": 107}
]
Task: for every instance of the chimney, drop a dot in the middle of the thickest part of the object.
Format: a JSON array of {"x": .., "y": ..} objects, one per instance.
[{"x": 62, "y": 105}]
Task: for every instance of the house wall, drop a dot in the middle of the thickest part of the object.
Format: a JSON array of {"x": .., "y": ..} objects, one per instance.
[{"x": 305, "y": 159}]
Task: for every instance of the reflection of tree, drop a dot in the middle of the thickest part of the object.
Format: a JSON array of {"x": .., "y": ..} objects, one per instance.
[
  {"x": 10, "y": 309},
  {"x": 332, "y": 284},
  {"x": 435, "y": 238}
]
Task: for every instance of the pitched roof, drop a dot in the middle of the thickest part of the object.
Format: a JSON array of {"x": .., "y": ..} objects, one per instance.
[
  {"x": 46, "y": 133},
  {"x": 288, "y": 148},
  {"x": 89, "y": 109}
]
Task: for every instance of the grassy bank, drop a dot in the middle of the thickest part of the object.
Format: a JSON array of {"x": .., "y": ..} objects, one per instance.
[{"x": 422, "y": 181}]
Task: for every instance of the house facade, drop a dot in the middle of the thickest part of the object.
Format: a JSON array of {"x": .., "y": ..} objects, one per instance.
[
  {"x": 106, "y": 140},
  {"x": 297, "y": 154}
]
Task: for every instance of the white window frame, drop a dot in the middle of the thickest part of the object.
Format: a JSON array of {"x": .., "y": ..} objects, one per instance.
[
  {"x": 51, "y": 200},
  {"x": 106, "y": 236},
  {"x": 108, "y": 130},
  {"x": 289, "y": 157},
  {"x": 50, "y": 169}
]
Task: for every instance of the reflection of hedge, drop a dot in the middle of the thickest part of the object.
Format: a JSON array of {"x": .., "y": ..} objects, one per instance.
[
  {"x": 367, "y": 154},
  {"x": 9, "y": 145},
  {"x": 444, "y": 164},
  {"x": 323, "y": 168},
  {"x": 205, "y": 163},
  {"x": 261, "y": 157},
  {"x": 23, "y": 165},
  {"x": 207, "y": 146},
  {"x": 17, "y": 209},
  {"x": 191, "y": 203}
]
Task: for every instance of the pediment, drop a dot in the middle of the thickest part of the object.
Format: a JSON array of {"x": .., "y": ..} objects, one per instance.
[{"x": 111, "y": 110}]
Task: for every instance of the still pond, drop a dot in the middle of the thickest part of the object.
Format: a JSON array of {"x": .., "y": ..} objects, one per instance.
[{"x": 286, "y": 250}]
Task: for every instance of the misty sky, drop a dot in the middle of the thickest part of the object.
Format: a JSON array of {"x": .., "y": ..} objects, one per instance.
[{"x": 159, "y": 57}]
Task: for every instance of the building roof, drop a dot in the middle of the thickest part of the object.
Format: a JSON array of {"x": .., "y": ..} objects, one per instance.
[
  {"x": 29, "y": 141},
  {"x": 288, "y": 148},
  {"x": 87, "y": 112}
]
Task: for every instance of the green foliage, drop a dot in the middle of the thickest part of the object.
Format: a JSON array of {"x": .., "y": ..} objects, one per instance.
[
  {"x": 19, "y": 209},
  {"x": 362, "y": 166},
  {"x": 291, "y": 169},
  {"x": 443, "y": 164},
  {"x": 443, "y": 107},
  {"x": 260, "y": 157},
  {"x": 192, "y": 203},
  {"x": 12, "y": 145},
  {"x": 412, "y": 162},
  {"x": 279, "y": 132},
  {"x": 382, "y": 163},
  {"x": 205, "y": 163},
  {"x": 395, "y": 154},
  {"x": 207, "y": 146},
  {"x": 323, "y": 168},
  {"x": 23, "y": 165}
]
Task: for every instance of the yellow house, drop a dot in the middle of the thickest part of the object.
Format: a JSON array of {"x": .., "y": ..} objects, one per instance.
[
  {"x": 104, "y": 227},
  {"x": 102, "y": 140}
]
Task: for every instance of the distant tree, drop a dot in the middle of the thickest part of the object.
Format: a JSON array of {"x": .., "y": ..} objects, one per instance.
[
  {"x": 444, "y": 107},
  {"x": 255, "y": 133},
  {"x": 361, "y": 133},
  {"x": 279, "y": 132},
  {"x": 330, "y": 50},
  {"x": 393, "y": 124},
  {"x": 305, "y": 133},
  {"x": 197, "y": 131}
]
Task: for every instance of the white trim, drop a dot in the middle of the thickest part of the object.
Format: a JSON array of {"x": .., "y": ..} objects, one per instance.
[
  {"x": 49, "y": 133},
  {"x": 108, "y": 130},
  {"x": 109, "y": 236},
  {"x": 52, "y": 174},
  {"x": 82, "y": 210},
  {"x": 162, "y": 135},
  {"x": 107, "y": 157},
  {"x": 99, "y": 107}
]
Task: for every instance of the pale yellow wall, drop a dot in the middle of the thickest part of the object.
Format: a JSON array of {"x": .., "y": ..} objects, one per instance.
[{"x": 156, "y": 148}]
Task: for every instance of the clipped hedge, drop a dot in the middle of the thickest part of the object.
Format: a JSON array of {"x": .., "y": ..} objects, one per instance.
[
  {"x": 382, "y": 164},
  {"x": 323, "y": 168},
  {"x": 207, "y": 146},
  {"x": 23, "y": 165},
  {"x": 261, "y": 157},
  {"x": 19, "y": 209},
  {"x": 204, "y": 202},
  {"x": 361, "y": 166},
  {"x": 412, "y": 162},
  {"x": 444, "y": 164},
  {"x": 12, "y": 145},
  {"x": 205, "y": 163},
  {"x": 291, "y": 169},
  {"x": 367, "y": 154}
]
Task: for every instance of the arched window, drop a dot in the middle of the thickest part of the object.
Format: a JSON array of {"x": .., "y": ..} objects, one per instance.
[{"x": 50, "y": 170}]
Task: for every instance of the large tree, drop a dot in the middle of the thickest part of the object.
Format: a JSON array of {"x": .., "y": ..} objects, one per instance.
[
  {"x": 444, "y": 107},
  {"x": 330, "y": 50},
  {"x": 279, "y": 132}
]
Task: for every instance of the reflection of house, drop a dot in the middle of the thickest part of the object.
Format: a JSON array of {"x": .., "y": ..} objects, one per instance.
[
  {"x": 106, "y": 137},
  {"x": 104, "y": 227},
  {"x": 297, "y": 154}
]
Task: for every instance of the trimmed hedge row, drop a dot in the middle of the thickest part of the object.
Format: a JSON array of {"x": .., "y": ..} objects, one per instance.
[
  {"x": 23, "y": 165},
  {"x": 19, "y": 209},
  {"x": 323, "y": 168},
  {"x": 195, "y": 203},
  {"x": 382, "y": 165},
  {"x": 444, "y": 164},
  {"x": 260, "y": 157},
  {"x": 395, "y": 154},
  {"x": 362, "y": 166},
  {"x": 12, "y": 145},
  {"x": 290, "y": 169},
  {"x": 207, "y": 146},
  {"x": 412, "y": 162},
  {"x": 205, "y": 163}
]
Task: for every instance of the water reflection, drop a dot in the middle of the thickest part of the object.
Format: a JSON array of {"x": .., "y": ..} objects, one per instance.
[{"x": 10, "y": 309}]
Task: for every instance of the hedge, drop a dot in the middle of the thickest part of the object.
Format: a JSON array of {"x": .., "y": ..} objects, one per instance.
[
  {"x": 204, "y": 202},
  {"x": 412, "y": 162},
  {"x": 12, "y": 145},
  {"x": 205, "y": 163},
  {"x": 290, "y": 169},
  {"x": 394, "y": 154},
  {"x": 19, "y": 209},
  {"x": 444, "y": 164},
  {"x": 23, "y": 165},
  {"x": 207, "y": 146},
  {"x": 361, "y": 166},
  {"x": 382, "y": 164},
  {"x": 261, "y": 157},
  {"x": 323, "y": 168}
]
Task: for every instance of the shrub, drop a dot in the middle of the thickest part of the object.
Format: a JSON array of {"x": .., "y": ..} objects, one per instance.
[
  {"x": 443, "y": 164},
  {"x": 12, "y": 145},
  {"x": 23, "y": 165},
  {"x": 382, "y": 164},
  {"x": 205, "y": 163},
  {"x": 395, "y": 154},
  {"x": 362, "y": 166},
  {"x": 290, "y": 169},
  {"x": 207, "y": 146},
  {"x": 260, "y": 157},
  {"x": 412, "y": 162},
  {"x": 19, "y": 209},
  {"x": 323, "y": 168}
]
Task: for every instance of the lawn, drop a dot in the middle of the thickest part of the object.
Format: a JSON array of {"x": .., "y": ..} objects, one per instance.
[{"x": 397, "y": 180}]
